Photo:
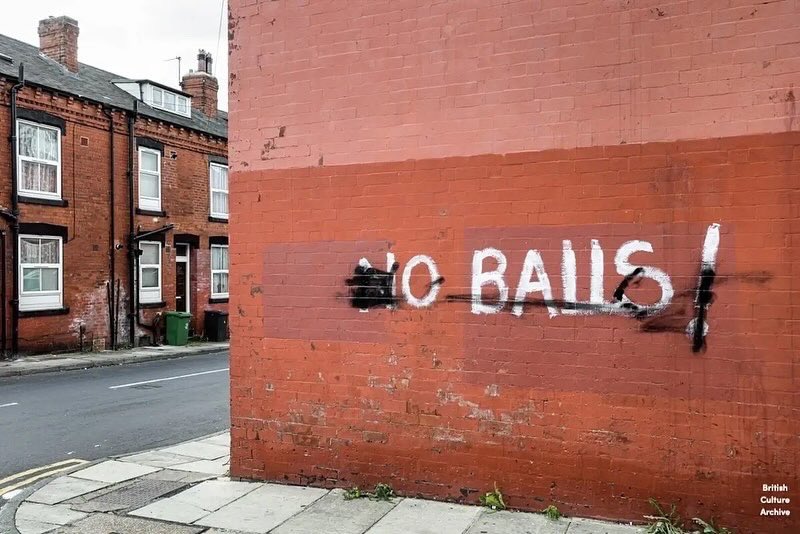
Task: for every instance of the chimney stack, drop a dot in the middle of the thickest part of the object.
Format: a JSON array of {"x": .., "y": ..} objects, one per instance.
[
  {"x": 58, "y": 40},
  {"x": 202, "y": 85}
]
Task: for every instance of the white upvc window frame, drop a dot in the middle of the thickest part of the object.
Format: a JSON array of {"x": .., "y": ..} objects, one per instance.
[
  {"x": 20, "y": 159},
  {"x": 145, "y": 202},
  {"x": 182, "y": 104},
  {"x": 226, "y": 271},
  {"x": 150, "y": 295},
  {"x": 41, "y": 300},
  {"x": 212, "y": 190}
]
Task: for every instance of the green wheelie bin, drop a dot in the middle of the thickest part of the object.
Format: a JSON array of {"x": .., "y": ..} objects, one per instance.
[{"x": 177, "y": 327}]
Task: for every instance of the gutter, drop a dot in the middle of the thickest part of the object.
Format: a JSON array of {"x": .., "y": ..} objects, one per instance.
[{"x": 166, "y": 120}]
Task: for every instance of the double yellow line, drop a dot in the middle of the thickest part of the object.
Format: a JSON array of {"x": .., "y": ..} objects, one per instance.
[{"x": 30, "y": 476}]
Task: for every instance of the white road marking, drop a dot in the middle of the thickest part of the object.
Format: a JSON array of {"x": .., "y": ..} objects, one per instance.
[
  {"x": 9, "y": 404},
  {"x": 11, "y": 494},
  {"x": 169, "y": 378},
  {"x": 50, "y": 470}
]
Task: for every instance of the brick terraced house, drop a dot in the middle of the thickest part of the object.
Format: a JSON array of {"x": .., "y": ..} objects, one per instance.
[{"x": 113, "y": 199}]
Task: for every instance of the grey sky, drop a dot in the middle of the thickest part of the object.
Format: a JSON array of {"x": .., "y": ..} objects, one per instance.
[{"x": 133, "y": 39}]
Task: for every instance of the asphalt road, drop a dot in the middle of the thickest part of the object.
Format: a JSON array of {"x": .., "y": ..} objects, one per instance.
[{"x": 93, "y": 413}]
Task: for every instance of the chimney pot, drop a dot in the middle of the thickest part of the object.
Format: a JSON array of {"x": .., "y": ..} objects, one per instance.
[
  {"x": 201, "y": 60},
  {"x": 58, "y": 40},
  {"x": 202, "y": 85}
]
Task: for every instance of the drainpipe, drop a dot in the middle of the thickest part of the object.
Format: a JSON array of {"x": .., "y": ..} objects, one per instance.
[
  {"x": 112, "y": 320},
  {"x": 3, "y": 292},
  {"x": 133, "y": 304},
  {"x": 15, "y": 217}
]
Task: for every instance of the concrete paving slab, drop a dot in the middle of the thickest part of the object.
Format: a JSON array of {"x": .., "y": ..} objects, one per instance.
[
  {"x": 591, "y": 526},
  {"x": 114, "y": 471},
  {"x": 334, "y": 515},
  {"x": 219, "y": 467},
  {"x": 25, "y": 526},
  {"x": 200, "y": 451},
  {"x": 57, "y": 514},
  {"x": 64, "y": 488},
  {"x": 214, "y": 494},
  {"x": 263, "y": 509},
  {"x": 415, "y": 516},
  {"x": 223, "y": 440},
  {"x": 197, "y": 502},
  {"x": 107, "y": 523},
  {"x": 168, "y": 510},
  {"x": 517, "y": 523},
  {"x": 157, "y": 459},
  {"x": 178, "y": 476},
  {"x": 101, "y": 507}
]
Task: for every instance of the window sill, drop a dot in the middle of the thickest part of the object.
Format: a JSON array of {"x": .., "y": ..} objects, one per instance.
[
  {"x": 151, "y": 305},
  {"x": 218, "y": 300},
  {"x": 44, "y": 313},
  {"x": 151, "y": 213},
  {"x": 217, "y": 220},
  {"x": 62, "y": 203}
]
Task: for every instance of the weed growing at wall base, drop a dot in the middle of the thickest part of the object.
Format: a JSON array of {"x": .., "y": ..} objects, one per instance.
[
  {"x": 663, "y": 522},
  {"x": 552, "y": 512},
  {"x": 671, "y": 523},
  {"x": 383, "y": 492},
  {"x": 493, "y": 499}
]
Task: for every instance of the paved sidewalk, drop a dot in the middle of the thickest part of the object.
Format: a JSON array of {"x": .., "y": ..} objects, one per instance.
[
  {"x": 46, "y": 363},
  {"x": 184, "y": 489}
]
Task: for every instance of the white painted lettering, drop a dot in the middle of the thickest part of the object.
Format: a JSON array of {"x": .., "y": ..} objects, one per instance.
[
  {"x": 533, "y": 262},
  {"x": 624, "y": 268},
  {"x": 430, "y": 296},
  {"x": 596, "y": 290},
  {"x": 569, "y": 276},
  {"x": 711, "y": 246},
  {"x": 481, "y": 278}
]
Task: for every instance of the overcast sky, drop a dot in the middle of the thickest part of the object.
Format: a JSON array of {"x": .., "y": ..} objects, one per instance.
[{"x": 134, "y": 39}]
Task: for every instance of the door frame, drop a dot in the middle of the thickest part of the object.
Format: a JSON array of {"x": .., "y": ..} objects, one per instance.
[{"x": 187, "y": 260}]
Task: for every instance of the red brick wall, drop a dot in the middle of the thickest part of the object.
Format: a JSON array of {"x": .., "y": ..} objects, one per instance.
[
  {"x": 443, "y": 129},
  {"x": 85, "y": 186},
  {"x": 595, "y": 413}
]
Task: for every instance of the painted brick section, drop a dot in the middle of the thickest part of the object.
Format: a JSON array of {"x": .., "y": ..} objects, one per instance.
[
  {"x": 392, "y": 80},
  {"x": 85, "y": 187},
  {"x": 594, "y": 413}
]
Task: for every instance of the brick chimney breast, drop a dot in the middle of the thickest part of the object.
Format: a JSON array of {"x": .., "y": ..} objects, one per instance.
[
  {"x": 58, "y": 40},
  {"x": 202, "y": 85}
]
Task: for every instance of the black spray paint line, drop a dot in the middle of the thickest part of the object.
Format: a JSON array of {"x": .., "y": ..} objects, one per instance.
[
  {"x": 371, "y": 287},
  {"x": 697, "y": 327},
  {"x": 619, "y": 293},
  {"x": 612, "y": 308}
]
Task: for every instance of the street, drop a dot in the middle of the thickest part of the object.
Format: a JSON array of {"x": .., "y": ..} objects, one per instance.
[{"x": 93, "y": 413}]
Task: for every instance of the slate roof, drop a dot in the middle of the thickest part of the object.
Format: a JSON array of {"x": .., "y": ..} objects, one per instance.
[{"x": 94, "y": 84}]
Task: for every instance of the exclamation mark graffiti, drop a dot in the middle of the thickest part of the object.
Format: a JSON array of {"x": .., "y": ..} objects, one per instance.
[{"x": 697, "y": 327}]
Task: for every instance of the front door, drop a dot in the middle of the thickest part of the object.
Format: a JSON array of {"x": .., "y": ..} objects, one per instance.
[{"x": 182, "y": 278}]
